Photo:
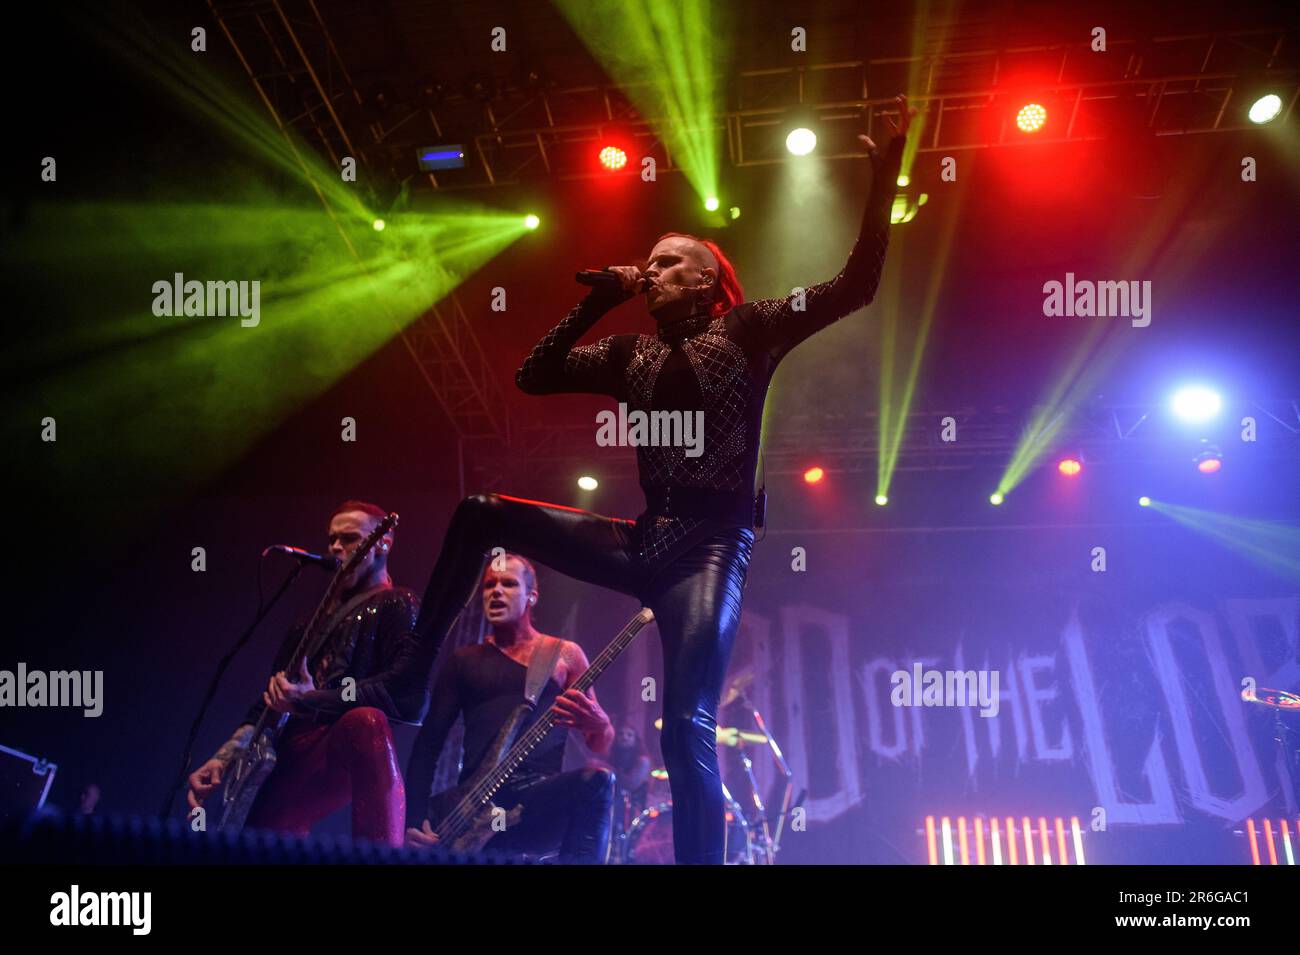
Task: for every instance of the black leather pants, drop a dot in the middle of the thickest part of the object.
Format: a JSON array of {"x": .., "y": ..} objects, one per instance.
[
  {"x": 696, "y": 601},
  {"x": 570, "y": 811}
]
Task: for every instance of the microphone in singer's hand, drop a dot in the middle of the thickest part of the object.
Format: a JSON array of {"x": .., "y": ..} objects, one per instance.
[{"x": 605, "y": 279}]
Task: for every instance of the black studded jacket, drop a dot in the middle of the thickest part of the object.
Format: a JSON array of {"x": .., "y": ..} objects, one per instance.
[
  {"x": 721, "y": 365},
  {"x": 376, "y": 646}
]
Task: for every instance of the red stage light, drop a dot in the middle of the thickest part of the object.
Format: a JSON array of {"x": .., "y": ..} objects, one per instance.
[
  {"x": 1031, "y": 117},
  {"x": 1070, "y": 466},
  {"x": 611, "y": 157},
  {"x": 1209, "y": 465},
  {"x": 813, "y": 475}
]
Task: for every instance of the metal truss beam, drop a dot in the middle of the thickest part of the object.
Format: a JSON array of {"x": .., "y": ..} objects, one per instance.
[
  {"x": 1176, "y": 85},
  {"x": 294, "y": 64},
  {"x": 848, "y": 444}
]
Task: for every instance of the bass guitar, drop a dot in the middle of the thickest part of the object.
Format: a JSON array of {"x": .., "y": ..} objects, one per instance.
[{"x": 465, "y": 818}]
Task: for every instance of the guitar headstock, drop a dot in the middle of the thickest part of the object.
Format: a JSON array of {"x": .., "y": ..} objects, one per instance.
[{"x": 366, "y": 545}]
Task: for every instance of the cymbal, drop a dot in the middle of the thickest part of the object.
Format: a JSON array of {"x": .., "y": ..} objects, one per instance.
[
  {"x": 1277, "y": 699},
  {"x": 728, "y": 735},
  {"x": 736, "y": 689}
]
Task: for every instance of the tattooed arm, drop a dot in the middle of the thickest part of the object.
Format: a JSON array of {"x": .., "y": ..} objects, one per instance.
[{"x": 208, "y": 776}]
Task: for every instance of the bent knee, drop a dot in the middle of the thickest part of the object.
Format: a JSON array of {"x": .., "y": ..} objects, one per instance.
[
  {"x": 364, "y": 720},
  {"x": 485, "y": 503},
  {"x": 599, "y": 781}
]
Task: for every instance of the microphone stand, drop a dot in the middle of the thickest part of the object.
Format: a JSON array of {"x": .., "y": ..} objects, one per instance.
[{"x": 247, "y": 635}]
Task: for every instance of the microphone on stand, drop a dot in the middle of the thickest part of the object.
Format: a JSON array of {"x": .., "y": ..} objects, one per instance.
[
  {"x": 604, "y": 278},
  {"x": 323, "y": 561}
]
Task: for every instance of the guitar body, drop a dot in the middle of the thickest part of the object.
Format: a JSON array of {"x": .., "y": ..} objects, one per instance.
[
  {"x": 463, "y": 817},
  {"x": 478, "y": 831},
  {"x": 244, "y": 778}
]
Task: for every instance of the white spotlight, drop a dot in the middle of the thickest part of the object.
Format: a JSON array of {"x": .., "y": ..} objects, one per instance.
[
  {"x": 1196, "y": 403},
  {"x": 801, "y": 141}
]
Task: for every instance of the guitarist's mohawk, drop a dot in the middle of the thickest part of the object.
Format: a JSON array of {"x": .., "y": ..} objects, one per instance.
[{"x": 374, "y": 510}]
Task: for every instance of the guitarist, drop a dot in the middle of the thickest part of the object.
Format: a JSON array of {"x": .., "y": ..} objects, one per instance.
[
  {"x": 484, "y": 683},
  {"x": 337, "y": 746}
]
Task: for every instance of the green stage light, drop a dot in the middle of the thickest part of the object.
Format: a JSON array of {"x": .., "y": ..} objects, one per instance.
[
  {"x": 1273, "y": 545},
  {"x": 712, "y": 203},
  {"x": 1144, "y": 501},
  {"x": 882, "y": 500},
  {"x": 588, "y": 483},
  {"x": 735, "y": 212},
  {"x": 668, "y": 59},
  {"x": 531, "y": 221},
  {"x": 378, "y": 225},
  {"x": 284, "y": 228},
  {"x": 996, "y": 498}
]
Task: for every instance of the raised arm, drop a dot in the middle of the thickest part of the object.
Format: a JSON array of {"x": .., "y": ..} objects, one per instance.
[
  {"x": 783, "y": 323},
  {"x": 556, "y": 366}
]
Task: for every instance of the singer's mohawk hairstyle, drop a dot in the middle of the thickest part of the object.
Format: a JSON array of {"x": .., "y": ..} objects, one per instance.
[
  {"x": 374, "y": 510},
  {"x": 729, "y": 294}
]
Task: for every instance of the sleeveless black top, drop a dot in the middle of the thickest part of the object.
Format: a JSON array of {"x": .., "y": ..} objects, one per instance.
[{"x": 483, "y": 685}]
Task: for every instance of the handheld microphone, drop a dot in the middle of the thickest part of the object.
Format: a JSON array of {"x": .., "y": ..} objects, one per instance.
[
  {"x": 604, "y": 278},
  {"x": 323, "y": 561}
]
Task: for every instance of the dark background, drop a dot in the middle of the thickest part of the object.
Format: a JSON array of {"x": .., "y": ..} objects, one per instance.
[{"x": 100, "y": 572}]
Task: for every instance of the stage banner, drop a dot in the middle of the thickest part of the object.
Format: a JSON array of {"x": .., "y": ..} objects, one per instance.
[{"x": 1006, "y": 675}]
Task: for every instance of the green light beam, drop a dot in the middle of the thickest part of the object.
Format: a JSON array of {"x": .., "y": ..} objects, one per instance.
[
  {"x": 1162, "y": 252},
  {"x": 1273, "y": 545},
  {"x": 667, "y": 58}
]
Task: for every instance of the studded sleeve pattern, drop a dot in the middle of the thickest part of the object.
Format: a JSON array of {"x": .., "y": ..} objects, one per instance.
[
  {"x": 556, "y": 366},
  {"x": 785, "y": 322},
  {"x": 390, "y": 671}
]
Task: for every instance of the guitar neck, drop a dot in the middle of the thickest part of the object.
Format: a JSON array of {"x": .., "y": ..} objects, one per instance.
[
  {"x": 544, "y": 723},
  {"x": 276, "y": 721}
]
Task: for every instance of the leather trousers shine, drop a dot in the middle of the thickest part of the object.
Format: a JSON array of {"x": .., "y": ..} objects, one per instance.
[
  {"x": 571, "y": 812},
  {"x": 324, "y": 766},
  {"x": 696, "y": 599}
]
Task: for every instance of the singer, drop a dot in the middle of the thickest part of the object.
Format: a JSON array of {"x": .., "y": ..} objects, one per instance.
[
  {"x": 687, "y": 555},
  {"x": 337, "y": 746}
]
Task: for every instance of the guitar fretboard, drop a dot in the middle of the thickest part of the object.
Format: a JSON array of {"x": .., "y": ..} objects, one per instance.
[{"x": 463, "y": 816}]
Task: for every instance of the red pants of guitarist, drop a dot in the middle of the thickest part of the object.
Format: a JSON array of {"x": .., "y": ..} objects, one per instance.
[{"x": 323, "y": 766}]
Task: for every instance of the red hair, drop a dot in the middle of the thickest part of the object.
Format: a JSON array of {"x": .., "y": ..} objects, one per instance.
[{"x": 728, "y": 292}]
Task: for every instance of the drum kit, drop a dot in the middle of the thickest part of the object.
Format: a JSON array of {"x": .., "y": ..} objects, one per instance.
[
  {"x": 645, "y": 837},
  {"x": 1284, "y": 709}
]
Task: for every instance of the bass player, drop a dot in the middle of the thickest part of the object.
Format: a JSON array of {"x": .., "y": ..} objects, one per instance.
[{"x": 485, "y": 682}]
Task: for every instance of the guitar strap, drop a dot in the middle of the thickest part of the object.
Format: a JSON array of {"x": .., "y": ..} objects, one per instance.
[
  {"x": 337, "y": 617},
  {"x": 540, "y": 668}
]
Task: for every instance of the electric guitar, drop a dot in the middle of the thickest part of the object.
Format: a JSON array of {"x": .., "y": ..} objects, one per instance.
[
  {"x": 250, "y": 766},
  {"x": 463, "y": 817}
]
